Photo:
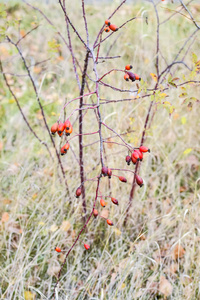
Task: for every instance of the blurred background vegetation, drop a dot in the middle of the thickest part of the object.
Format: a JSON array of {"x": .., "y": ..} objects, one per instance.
[{"x": 156, "y": 255}]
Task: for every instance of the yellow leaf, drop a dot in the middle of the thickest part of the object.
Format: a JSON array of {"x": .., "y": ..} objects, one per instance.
[
  {"x": 117, "y": 231},
  {"x": 53, "y": 228},
  {"x": 5, "y": 217},
  {"x": 29, "y": 295},
  {"x": 163, "y": 94},
  {"x": 34, "y": 196},
  {"x": 65, "y": 226},
  {"x": 41, "y": 223},
  {"x": 154, "y": 77},
  {"x": 187, "y": 151},
  {"x": 11, "y": 101},
  {"x": 183, "y": 120},
  {"x": 123, "y": 286},
  {"x": 53, "y": 113}
]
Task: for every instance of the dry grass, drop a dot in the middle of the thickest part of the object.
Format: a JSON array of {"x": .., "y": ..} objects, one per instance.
[{"x": 123, "y": 263}]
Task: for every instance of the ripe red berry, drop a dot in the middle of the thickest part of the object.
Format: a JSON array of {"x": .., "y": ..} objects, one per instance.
[
  {"x": 114, "y": 200},
  {"x": 131, "y": 76},
  {"x": 67, "y": 124},
  {"x": 103, "y": 203},
  {"x": 95, "y": 212},
  {"x": 135, "y": 155},
  {"x": 122, "y": 179},
  {"x": 69, "y": 130},
  {"x": 87, "y": 247},
  {"x": 128, "y": 67},
  {"x": 78, "y": 192},
  {"x": 113, "y": 27},
  {"x": 104, "y": 171},
  {"x": 126, "y": 77},
  {"x": 107, "y": 22},
  {"x": 58, "y": 249},
  {"x": 106, "y": 29},
  {"x": 54, "y": 128},
  {"x": 60, "y": 134},
  {"x": 128, "y": 160},
  {"x": 66, "y": 147},
  {"x": 139, "y": 180},
  {"x": 140, "y": 154},
  {"x": 109, "y": 222},
  {"x": 62, "y": 151},
  {"x": 109, "y": 173},
  {"x": 137, "y": 77},
  {"x": 134, "y": 160},
  {"x": 144, "y": 149},
  {"x": 61, "y": 128}
]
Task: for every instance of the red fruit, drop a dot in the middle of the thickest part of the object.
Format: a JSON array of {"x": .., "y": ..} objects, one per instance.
[
  {"x": 113, "y": 27},
  {"x": 67, "y": 124},
  {"x": 69, "y": 131},
  {"x": 106, "y": 29},
  {"x": 135, "y": 155},
  {"x": 140, "y": 154},
  {"x": 139, "y": 180},
  {"x": 109, "y": 222},
  {"x": 60, "y": 134},
  {"x": 137, "y": 77},
  {"x": 61, "y": 128},
  {"x": 144, "y": 149},
  {"x": 58, "y": 249},
  {"x": 128, "y": 67},
  {"x": 134, "y": 160},
  {"x": 87, "y": 247},
  {"x": 122, "y": 179},
  {"x": 109, "y": 173},
  {"x": 126, "y": 77},
  {"x": 78, "y": 192},
  {"x": 115, "y": 201},
  {"x": 62, "y": 151},
  {"x": 95, "y": 212},
  {"x": 131, "y": 76},
  {"x": 104, "y": 171},
  {"x": 107, "y": 22},
  {"x": 128, "y": 160},
  {"x": 103, "y": 203},
  {"x": 66, "y": 147},
  {"x": 54, "y": 128}
]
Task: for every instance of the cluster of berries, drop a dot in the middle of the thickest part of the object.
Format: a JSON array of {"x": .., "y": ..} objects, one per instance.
[
  {"x": 110, "y": 26},
  {"x": 61, "y": 128},
  {"x": 130, "y": 75},
  {"x": 136, "y": 156}
]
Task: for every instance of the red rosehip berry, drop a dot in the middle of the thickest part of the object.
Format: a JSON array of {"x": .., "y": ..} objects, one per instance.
[
  {"x": 140, "y": 154},
  {"x": 106, "y": 29},
  {"x": 144, "y": 149},
  {"x": 66, "y": 147},
  {"x": 109, "y": 222},
  {"x": 126, "y": 77},
  {"x": 69, "y": 130},
  {"x": 122, "y": 179},
  {"x": 114, "y": 200},
  {"x": 62, "y": 151},
  {"x": 87, "y": 247},
  {"x": 54, "y": 128},
  {"x": 137, "y": 77},
  {"x": 109, "y": 173},
  {"x": 104, "y": 171},
  {"x": 61, "y": 128},
  {"x": 107, "y": 22},
  {"x": 78, "y": 192},
  {"x": 135, "y": 155},
  {"x": 57, "y": 249},
  {"x": 134, "y": 160},
  {"x": 103, "y": 203},
  {"x": 128, "y": 160},
  {"x": 113, "y": 27},
  {"x": 139, "y": 180},
  {"x": 95, "y": 212},
  {"x": 128, "y": 67}
]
